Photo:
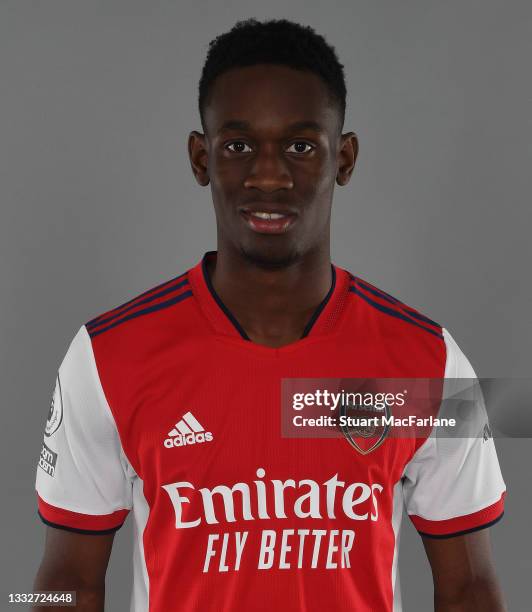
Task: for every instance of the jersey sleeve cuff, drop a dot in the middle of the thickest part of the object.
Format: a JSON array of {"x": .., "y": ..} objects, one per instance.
[
  {"x": 93, "y": 524},
  {"x": 460, "y": 525}
]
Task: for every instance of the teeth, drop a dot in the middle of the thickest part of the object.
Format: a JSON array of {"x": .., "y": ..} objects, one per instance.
[{"x": 265, "y": 215}]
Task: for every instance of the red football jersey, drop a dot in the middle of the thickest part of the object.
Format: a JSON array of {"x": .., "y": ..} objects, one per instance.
[{"x": 163, "y": 407}]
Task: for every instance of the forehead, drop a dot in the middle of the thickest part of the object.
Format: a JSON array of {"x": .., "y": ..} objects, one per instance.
[{"x": 269, "y": 97}]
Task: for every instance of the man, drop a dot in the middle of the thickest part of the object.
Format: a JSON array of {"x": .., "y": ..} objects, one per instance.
[{"x": 169, "y": 405}]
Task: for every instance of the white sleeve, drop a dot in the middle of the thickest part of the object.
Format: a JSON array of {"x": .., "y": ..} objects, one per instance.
[
  {"x": 84, "y": 481},
  {"x": 453, "y": 485}
]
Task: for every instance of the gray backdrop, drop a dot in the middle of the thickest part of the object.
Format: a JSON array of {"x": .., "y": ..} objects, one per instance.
[{"x": 98, "y": 202}]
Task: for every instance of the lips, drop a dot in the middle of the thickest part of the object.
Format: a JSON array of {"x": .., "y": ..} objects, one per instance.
[{"x": 268, "y": 220}]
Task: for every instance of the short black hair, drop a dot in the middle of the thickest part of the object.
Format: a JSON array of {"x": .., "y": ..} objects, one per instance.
[{"x": 277, "y": 41}]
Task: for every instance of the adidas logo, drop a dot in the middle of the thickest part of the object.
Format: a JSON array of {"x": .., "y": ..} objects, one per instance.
[{"x": 187, "y": 431}]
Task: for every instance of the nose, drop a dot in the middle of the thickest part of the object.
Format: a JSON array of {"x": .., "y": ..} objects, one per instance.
[{"x": 269, "y": 171}]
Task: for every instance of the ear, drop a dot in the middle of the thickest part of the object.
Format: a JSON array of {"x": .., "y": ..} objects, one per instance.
[
  {"x": 347, "y": 156},
  {"x": 198, "y": 154}
]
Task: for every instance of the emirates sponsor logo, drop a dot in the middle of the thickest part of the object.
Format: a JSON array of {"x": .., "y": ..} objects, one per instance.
[{"x": 265, "y": 499}]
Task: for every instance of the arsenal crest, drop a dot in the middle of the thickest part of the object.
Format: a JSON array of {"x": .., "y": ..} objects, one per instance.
[{"x": 365, "y": 427}]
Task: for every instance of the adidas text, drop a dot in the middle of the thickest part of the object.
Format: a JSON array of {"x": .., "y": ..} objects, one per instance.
[{"x": 191, "y": 438}]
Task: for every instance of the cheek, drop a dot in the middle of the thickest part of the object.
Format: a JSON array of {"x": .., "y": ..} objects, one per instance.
[
  {"x": 316, "y": 183},
  {"x": 226, "y": 179}
]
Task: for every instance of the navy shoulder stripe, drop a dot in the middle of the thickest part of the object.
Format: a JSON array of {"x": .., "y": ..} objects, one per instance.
[
  {"x": 120, "y": 311},
  {"x": 399, "y": 310},
  {"x": 375, "y": 290},
  {"x": 163, "y": 286},
  {"x": 133, "y": 308},
  {"x": 387, "y": 297}
]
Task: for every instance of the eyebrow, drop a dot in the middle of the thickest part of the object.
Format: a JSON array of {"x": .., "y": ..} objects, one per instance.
[{"x": 299, "y": 125}]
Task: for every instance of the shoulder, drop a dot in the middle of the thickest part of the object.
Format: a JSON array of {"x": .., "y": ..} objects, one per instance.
[
  {"x": 394, "y": 314},
  {"x": 140, "y": 314}
]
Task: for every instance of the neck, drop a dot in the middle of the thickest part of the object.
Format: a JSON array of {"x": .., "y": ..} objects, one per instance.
[{"x": 273, "y": 306}]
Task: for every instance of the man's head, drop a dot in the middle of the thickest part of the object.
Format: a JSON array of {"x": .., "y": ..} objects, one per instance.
[{"x": 272, "y": 104}]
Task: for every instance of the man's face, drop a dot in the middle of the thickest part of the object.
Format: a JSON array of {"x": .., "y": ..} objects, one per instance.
[{"x": 272, "y": 144}]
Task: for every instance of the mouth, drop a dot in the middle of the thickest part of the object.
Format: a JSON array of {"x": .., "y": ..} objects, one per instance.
[{"x": 268, "y": 221}]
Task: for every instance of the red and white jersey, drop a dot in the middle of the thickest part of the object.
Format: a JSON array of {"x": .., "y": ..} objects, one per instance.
[{"x": 164, "y": 408}]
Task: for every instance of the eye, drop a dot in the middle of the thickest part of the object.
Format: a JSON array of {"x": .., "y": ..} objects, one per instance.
[
  {"x": 300, "y": 147},
  {"x": 238, "y": 146}
]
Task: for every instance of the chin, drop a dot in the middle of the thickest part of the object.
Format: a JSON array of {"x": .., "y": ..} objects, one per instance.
[{"x": 270, "y": 258}]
